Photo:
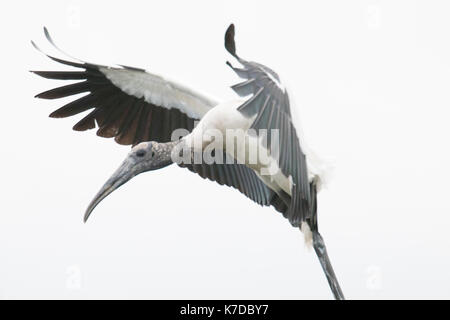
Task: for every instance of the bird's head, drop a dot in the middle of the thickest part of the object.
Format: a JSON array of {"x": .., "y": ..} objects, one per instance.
[{"x": 145, "y": 156}]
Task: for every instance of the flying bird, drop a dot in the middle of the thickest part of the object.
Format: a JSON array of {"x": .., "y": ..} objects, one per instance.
[{"x": 144, "y": 109}]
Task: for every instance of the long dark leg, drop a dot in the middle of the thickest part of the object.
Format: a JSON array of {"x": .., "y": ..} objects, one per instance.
[{"x": 321, "y": 251}]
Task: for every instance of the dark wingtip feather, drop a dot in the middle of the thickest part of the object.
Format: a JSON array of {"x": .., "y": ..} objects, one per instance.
[
  {"x": 47, "y": 34},
  {"x": 65, "y": 91},
  {"x": 54, "y": 114},
  {"x": 69, "y": 63},
  {"x": 62, "y": 75},
  {"x": 230, "y": 45},
  {"x": 42, "y": 95},
  {"x": 35, "y": 46},
  {"x": 85, "y": 124}
]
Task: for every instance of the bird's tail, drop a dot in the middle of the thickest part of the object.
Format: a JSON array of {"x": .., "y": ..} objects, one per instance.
[{"x": 321, "y": 250}]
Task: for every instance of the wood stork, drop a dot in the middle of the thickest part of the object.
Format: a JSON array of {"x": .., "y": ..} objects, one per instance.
[{"x": 143, "y": 109}]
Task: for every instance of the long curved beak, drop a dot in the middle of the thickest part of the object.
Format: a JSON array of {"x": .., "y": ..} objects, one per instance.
[{"x": 124, "y": 173}]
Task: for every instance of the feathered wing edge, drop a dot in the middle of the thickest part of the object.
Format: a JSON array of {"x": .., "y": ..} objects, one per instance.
[
  {"x": 275, "y": 114},
  {"x": 127, "y": 118}
]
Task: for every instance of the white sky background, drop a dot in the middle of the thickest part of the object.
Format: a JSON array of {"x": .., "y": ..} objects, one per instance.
[{"x": 371, "y": 81}]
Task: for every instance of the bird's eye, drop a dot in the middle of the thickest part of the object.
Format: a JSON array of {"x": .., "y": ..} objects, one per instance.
[{"x": 140, "y": 153}]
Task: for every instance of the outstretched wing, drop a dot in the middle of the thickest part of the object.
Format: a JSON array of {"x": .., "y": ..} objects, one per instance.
[
  {"x": 269, "y": 104},
  {"x": 133, "y": 106},
  {"x": 126, "y": 103},
  {"x": 235, "y": 175}
]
